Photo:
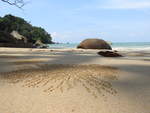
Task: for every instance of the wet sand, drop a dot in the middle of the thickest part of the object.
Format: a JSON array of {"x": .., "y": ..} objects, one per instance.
[{"x": 73, "y": 81}]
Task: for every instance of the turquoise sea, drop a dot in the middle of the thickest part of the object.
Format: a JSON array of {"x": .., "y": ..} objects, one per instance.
[{"x": 115, "y": 46}]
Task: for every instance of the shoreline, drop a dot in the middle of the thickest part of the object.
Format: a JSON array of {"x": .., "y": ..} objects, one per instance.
[
  {"x": 20, "y": 57},
  {"x": 120, "y": 46}
]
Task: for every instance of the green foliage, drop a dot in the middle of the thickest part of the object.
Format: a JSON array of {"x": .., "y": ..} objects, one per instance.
[{"x": 10, "y": 23}]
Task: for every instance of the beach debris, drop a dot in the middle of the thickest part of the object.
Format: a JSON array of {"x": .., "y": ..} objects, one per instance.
[
  {"x": 109, "y": 54},
  {"x": 94, "y": 44}
]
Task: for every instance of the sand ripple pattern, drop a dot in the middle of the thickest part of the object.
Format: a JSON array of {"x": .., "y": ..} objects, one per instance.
[{"x": 95, "y": 79}]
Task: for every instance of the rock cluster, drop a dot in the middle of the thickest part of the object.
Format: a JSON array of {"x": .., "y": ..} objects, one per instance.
[{"x": 39, "y": 44}]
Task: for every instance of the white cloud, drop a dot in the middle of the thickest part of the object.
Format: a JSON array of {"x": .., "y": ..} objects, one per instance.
[
  {"x": 76, "y": 36},
  {"x": 116, "y": 4},
  {"x": 62, "y": 36},
  {"x": 127, "y": 4},
  {"x": 54, "y": 34}
]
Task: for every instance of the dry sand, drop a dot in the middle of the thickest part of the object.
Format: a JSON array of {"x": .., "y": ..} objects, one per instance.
[{"x": 73, "y": 81}]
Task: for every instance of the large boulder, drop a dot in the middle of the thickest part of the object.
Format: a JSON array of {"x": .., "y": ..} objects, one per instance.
[{"x": 94, "y": 44}]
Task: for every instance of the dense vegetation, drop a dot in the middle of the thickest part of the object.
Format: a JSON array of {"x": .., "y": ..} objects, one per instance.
[{"x": 10, "y": 23}]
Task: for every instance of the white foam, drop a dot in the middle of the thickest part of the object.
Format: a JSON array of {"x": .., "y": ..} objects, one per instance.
[{"x": 132, "y": 48}]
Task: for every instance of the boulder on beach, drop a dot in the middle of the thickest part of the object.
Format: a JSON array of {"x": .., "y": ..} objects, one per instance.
[
  {"x": 94, "y": 44},
  {"x": 109, "y": 54},
  {"x": 39, "y": 44}
]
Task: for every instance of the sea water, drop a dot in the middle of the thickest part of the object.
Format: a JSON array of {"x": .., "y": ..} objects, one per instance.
[{"x": 116, "y": 46}]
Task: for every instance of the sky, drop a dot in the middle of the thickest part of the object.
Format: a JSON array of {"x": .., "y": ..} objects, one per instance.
[{"x": 75, "y": 20}]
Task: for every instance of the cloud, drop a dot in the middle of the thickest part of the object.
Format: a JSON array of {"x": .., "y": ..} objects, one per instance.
[
  {"x": 127, "y": 4},
  {"x": 62, "y": 36},
  {"x": 116, "y": 4},
  {"x": 54, "y": 34},
  {"x": 76, "y": 36}
]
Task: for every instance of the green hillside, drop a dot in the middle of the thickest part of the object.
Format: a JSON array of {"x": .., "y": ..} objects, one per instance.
[{"x": 11, "y": 23}]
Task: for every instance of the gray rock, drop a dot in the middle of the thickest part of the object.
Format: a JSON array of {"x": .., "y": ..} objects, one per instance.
[{"x": 109, "y": 54}]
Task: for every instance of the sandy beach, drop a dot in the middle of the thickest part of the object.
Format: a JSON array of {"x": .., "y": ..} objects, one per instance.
[{"x": 73, "y": 81}]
